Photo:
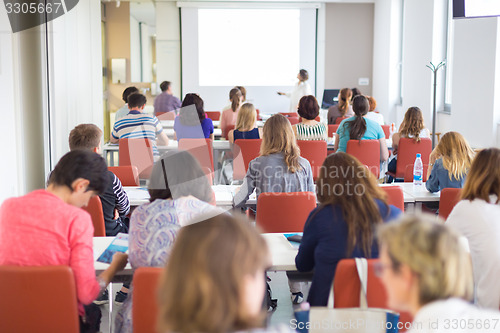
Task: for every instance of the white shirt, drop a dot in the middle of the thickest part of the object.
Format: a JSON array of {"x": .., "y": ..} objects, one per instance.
[
  {"x": 300, "y": 90},
  {"x": 377, "y": 117},
  {"x": 479, "y": 222},
  {"x": 121, "y": 112},
  {"x": 454, "y": 315}
]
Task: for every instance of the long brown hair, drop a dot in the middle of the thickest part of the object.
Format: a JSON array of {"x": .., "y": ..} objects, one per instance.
[
  {"x": 278, "y": 137},
  {"x": 483, "y": 178},
  {"x": 413, "y": 124},
  {"x": 357, "y": 126},
  {"x": 235, "y": 98},
  {"x": 202, "y": 287},
  {"x": 456, "y": 153},
  {"x": 345, "y": 182},
  {"x": 344, "y": 100}
]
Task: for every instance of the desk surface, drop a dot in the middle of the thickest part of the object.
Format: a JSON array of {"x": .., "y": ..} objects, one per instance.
[
  {"x": 170, "y": 123},
  {"x": 172, "y": 145}
]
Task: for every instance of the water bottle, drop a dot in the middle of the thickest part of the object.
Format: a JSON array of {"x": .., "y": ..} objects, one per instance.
[{"x": 418, "y": 170}]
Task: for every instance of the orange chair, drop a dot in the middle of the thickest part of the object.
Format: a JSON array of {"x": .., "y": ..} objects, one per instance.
[
  {"x": 317, "y": 119},
  {"x": 448, "y": 199},
  {"x": 94, "y": 208},
  {"x": 332, "y": 129},
  {"x": 387, "y": 130},
  {"x": 315, "y": 152},
  {"x": 127, "y": 174},
  {"x": 395, "y": 196},
  {"x": 346, "y": 289},
  {"x": 293, "y": 120},
  {"x": 166, "y": 115},
  {"x": 407, "y": 152},
  {"x": 137, "y": 152},
  {"x": 339, "y": 120},
  {"x": 244, "y": 150},
  {"x": 284, "y": 212},
  {"x": 214, "y": 115},
  {"x": 367, "y": 152},
  {"x": 201, "y": 149},
  {"x": 225, "y": 132},
  {"x": 38, "y": 299},
  {"x": 408, "y": 178},
  {"x": 258, "y": 114},
  {"x": 144, "y": 299}
]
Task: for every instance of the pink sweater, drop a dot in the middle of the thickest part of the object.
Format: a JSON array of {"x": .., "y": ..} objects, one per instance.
[
  {"x": 228, "y": 117},
  {"x": 40, "y": 229}
]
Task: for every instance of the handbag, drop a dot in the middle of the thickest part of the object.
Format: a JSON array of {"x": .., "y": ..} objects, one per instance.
[{"x": 352, "y": 320}]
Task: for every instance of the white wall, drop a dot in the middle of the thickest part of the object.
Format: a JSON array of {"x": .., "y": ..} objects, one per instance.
[{"x": 135, "y": 51}]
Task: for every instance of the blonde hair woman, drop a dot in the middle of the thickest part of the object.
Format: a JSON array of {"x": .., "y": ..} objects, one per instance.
[
  {"x": 427, "y": 272},
  {"x": 449, "y": 162},
  {"x": 476, "y": 217},
  {"x": 343, "y": 108},
  {"x": 245, "y": 124},
  {"x": 215, "y": 279}
]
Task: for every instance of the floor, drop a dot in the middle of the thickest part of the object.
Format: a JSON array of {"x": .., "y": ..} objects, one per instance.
[{"x": 279, "y": 286}]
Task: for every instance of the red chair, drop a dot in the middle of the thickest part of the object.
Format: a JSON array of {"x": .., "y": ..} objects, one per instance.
[
  {"x": 448, "y": 199},
  {"x": 166, "y": 115},
  {"x": 38, "y": 299},
  {"x": 94, "y": 208},
  {"x": 407, "y": 152},
  {"x": 315, "y": 152},
  {"x": 395, "y": 196},
  {"x": 387, "y": 130},
  {"x": 137, "y": 152},
  {"x": 258, "y": 114},
  {"x": 214, "y": 115},
  {"x": 332, "y": 129},
  {"x": 367, "y": 152},
  {"x": 225, "y": 132},
  {"x": 293, "y": 120},
  {"x": 201, "y": 149},
  {"x": 346, "y": 289},
  {"x": 244, "y": 150},
  {"x": 144, "y": 299},
  {"x": 317, "y": 119},
  {"x": 284, "y": 212},
  {"x": 127, "y": 174},
  {"x": 339, "y": 120},
  {"x": 408, "y": 178}
]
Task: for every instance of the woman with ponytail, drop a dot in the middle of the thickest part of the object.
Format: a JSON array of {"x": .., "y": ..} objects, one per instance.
[
  {"x": 343, "y": 108},
  {"x": 230, "y": 115},
  {"x": 360, "y": 128}
]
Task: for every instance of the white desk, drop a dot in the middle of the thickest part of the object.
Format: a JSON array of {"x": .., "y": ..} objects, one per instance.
[
  {"x": 170, "y": 132},
  {"x": 170, "y": 123},
  {"x": 419, "y": 194}
]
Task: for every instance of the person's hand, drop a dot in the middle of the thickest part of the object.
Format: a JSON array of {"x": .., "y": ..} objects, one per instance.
[
  {"x": 281, "y": 93},
  {"x": 117, "y": 215},
  {"x": 119, "y": 260}
]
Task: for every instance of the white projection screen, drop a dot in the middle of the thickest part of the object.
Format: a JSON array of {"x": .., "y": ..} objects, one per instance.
[{"x": 261, "y": 49}]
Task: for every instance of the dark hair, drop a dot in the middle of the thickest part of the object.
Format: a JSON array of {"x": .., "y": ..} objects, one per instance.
[
  {"x": 304, "y": 74},
  {"x": 84, "y": 136},
  {"x": 192, "y": 113},
  {"x": 360, "y": 106},
  {"x": 177, "y": 174},
  {"x": 355, "y": 92},
  {"x": 127, "y": 92},
  {"x": 243, "y": 92},
  {"x": 81, "y": 164},
  {"x": 136, "y": 100},
  {"x": 165, "y": 85},
  {"x": 308, "y": 107}
]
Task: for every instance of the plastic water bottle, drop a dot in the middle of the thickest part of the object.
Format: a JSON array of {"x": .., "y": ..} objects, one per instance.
[{"x": 418, "y": 171}]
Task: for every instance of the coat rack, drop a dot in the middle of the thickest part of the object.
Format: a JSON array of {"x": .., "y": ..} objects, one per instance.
[{"x": 434, "y": 70}]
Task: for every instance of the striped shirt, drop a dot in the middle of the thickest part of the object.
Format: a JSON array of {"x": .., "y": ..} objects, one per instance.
[
  {"x": 114, "y": 197},
  {"x": 311, "y": 132},
  {"x": 138, "y": 125}
]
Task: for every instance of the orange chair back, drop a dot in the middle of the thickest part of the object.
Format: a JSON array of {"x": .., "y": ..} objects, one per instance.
[
  {"x": 395, "y": 196},
  {"x": 144, "y": 299},
  {"x": 367, "y": 152},
  {"x": 293, "y": 120},
  {"x": 38, "y": 299},
  {"x": 448, "y": 199},
  {"x": 315, "y": 152},
  {"x": 317, "y": 119},
  {"x": 214, "y": 115},
  {"x": 127, "y": 174},
  {"x": 408, "y": 178},
  {"x": 332, "y": 129},
  {"x": 284, "y": 212},
  {"x": 201, "y": 149},
  {"x": 346, "y": 289},
  {"x": 258, "y": 114},
  {"x": 165, "y": 115},
  {"x": 137, "y": 152},
  {"x": 244, "y": 150},
  {"x": 225, "y": 132},
  {"x": 94, "y": 208},
  {"x": 339, "y": 120},
  {"x": 407, "y": 153},
  {"x": 387, "y": 130}
]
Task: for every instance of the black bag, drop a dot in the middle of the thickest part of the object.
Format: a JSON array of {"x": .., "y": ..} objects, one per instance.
[{"x": 270, "y": 303}]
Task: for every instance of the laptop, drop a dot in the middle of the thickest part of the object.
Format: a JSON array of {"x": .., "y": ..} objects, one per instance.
[{"x": 330, "y": 97}]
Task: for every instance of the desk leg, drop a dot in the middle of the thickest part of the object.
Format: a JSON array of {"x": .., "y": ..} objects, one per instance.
[{"x": 110, "y": 314}]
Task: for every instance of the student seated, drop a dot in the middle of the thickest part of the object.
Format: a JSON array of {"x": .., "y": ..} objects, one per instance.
[
  {"x": 47, "y": 227},
  {"x": 192, "y": 123},
  {"x": 245, "y": 124},
  {"x": 427, "y": 272},
  {"x": 124, "y": 110},
  {"x": 309, "y": 128},
  {"x": 229, "y": 116},
  {"x": 343, "y": 224},
  {"x": 138, "y": 125},
  {"x": 360, "y": 128},
  {"x": 181, "y": 197},
  {"x": 166, "y": 101},
  {"x": 476, "y": 218},
  {"x": 449, "y": 163},
  {"x": 343, "y": 108},
  {"x": 372, "y": 113}
]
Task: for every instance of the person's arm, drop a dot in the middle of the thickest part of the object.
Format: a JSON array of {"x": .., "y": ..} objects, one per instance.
[
  {"x": 162, "y": 139},
  {"x": 247, "y": 188},
  {"x": 294, "y": 127},
  {"x": 260, "y": 132},
  {"x": 304, "y": 261},
  {"x": 118, "y": 263},
  {"x": 432, "y": 183},
  {"x": 122, "y": 203},
  {"x": 384, "y": 152},
  {"x": 223, "y": 121},
  {"x": 395, "y": 143},
  {"x": 114, "y": 136},
  {"x": 336, "y": 144},
  {"x": 230, "y": 136}
]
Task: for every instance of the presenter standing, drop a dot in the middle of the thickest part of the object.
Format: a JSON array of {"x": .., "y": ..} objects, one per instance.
[{"x": 302, "y": 88}]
